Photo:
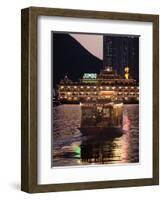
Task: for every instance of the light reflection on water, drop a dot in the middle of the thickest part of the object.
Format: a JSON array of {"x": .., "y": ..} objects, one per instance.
[{"x": 69, "y": 147}]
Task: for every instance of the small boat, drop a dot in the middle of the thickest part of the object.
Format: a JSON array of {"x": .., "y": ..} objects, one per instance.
[
  {"x": 101, "y": 117},
  {"x": 56, "y": 102}
]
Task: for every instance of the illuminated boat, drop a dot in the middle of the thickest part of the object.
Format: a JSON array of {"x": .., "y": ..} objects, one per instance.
[{"x": 101, "y": 117}]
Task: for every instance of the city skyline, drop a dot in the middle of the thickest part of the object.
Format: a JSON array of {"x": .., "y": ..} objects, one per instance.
[
  {"x": 78, "y": 58},
  {"x": 120, "y": 52}
]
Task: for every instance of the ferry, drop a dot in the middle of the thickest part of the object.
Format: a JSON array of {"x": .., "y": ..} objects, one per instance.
[{"x": 101, "y": 117}]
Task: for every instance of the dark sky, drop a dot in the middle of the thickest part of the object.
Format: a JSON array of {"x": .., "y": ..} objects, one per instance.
[{"x": 73, "y": 59}]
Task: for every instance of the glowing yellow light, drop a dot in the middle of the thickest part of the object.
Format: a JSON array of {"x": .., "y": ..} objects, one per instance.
[{"x": 126, "y": 73}]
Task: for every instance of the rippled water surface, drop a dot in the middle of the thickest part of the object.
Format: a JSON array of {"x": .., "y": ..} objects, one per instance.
[{"x": 70, "y": 147}]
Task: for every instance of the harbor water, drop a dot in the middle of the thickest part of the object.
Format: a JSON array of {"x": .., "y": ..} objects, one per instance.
[{"x": 70, "y": 147}]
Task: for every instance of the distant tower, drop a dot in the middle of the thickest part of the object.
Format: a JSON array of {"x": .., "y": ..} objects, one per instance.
[
  {"x": 121, "y": 51},
  {"x": 126, "y": 72}
]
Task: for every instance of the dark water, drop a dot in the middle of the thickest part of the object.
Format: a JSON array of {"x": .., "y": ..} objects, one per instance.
[{"x": 69, "y": 147}]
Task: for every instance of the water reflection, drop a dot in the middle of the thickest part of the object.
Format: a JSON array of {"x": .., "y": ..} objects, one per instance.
[
  {"x": 69, "y": 147},
  {"x": 100, "y": 150}
]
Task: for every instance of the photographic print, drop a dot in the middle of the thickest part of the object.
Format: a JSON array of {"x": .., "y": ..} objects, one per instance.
[
  {"x": 95, "y": 101},
  {"x": 89, "y": 99}
]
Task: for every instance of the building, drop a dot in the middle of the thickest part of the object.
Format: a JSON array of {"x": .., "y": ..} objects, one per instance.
[
  {"x": 122, "y": 51},
  {"x": 99, "y": 86}
]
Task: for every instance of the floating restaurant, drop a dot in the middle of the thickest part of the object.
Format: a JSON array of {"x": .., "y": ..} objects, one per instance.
[{"x": 94, "y": 86}]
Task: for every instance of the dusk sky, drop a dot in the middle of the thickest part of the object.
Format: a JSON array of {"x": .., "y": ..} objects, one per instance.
[
  {"x": 76, "y": 54},
  {"x": 93, "y": 43}
]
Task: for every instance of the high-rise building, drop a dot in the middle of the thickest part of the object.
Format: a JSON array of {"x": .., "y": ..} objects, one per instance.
[{"x": 120, "y": 52}]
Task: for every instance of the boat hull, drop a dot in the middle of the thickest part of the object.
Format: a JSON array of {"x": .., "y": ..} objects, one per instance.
[{"x": 108, "y": 131}]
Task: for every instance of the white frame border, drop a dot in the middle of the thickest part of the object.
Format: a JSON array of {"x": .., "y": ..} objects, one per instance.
[{"x": 48, "y": 175}]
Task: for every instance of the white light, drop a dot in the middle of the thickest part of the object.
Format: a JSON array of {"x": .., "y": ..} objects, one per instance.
[{"x": 89, "y": 76}]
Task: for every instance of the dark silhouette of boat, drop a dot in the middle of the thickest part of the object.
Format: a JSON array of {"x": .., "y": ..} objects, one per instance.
[
  {"x": 56, "y": 102},
  {"x": 101, "y": 117}
]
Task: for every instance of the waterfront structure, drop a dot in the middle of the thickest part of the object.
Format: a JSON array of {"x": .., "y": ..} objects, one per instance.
[{"x": 105, "y": 85}]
